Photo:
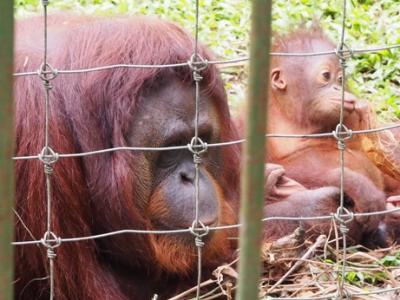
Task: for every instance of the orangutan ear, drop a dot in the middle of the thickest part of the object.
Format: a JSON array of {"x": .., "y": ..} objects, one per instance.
[{"x": 278, "y": 81}]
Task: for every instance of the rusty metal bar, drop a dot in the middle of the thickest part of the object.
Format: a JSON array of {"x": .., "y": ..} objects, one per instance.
[
  {"x": 6, "y": 142},
  {"x": 252, "y": 199}
]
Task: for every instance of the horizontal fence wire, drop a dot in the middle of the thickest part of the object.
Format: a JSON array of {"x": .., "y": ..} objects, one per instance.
[
  {"x": 212, "y": 62},
  {"x": 212, "y": 228},
  {"x": 211, "y": 145}
]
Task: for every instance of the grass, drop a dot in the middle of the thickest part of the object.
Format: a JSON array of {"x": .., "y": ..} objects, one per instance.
[{"x": 225, "y": 28}]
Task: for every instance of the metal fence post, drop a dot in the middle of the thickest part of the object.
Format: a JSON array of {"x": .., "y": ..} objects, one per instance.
[
  {"x": 252, "y": 199},
  {"x": 6, "y": 142}
]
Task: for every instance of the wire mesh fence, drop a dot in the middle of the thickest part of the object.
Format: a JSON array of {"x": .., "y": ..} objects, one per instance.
[{"x": 48, "y": 156}]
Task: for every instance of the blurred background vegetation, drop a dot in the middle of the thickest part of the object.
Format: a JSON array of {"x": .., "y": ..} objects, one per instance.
[{"x": 225, "y": 28}]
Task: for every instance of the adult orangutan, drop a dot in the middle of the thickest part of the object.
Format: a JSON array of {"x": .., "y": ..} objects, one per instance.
[
  {"x": 119, "y": 190},
  {"x": 305, "y": 97}
]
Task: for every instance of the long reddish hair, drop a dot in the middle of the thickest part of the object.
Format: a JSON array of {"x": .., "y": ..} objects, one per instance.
[{"x": 92, "y": 111}]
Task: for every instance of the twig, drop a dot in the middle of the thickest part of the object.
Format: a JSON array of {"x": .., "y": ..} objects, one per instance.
[
  {"x": 193, "y": 289},
  {"x": 320, "y": 240}
]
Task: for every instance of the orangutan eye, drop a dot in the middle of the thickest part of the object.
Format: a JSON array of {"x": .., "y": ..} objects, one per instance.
[
  {"x": 168, "y": 159},
  {"x": 340, "y": 79},
  {"x": 326, "y": 75}
]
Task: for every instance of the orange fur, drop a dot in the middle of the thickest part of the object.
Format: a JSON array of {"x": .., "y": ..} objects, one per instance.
[{"x": 178, "y": 254}]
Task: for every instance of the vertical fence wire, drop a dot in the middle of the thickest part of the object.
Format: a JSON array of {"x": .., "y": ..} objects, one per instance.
[
  {"x": 47, "y": 156},
  {"x": 6, "y": 149},
  {"x": 196, "y": 78},
  {"x": 196, "y": 152},
  {"x": 341, "y": 136}
]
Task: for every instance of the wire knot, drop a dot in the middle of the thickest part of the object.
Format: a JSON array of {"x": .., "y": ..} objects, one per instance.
[
  {"x": 48, "y": 169},
  {"x": 341, "y": 134},
  {"x": 48, "y": 156},
  {"x": 343, "y": 229},
  {"x": 197, "y": 64},
  {"x": 196, "y": 159},
  {"x": 47, "y": 85},
  {"x": 198, "y": 229},
  {"x": 46, "y": 72},
  {"x": 51, "y": 254},
  {"x": 197, "y": 146},
  {"x": 343, "y": 51},
  {"x": 196, "y": 76},
  {"x": 50, "y": 241},
  {"x": 199, "y": 242},
  {"x": 343, "y": 216},
  {"x": 341, "y": 145}
]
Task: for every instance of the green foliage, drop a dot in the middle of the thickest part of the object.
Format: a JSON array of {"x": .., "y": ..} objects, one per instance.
[
  {"x": 391, "y": 260},
  {"x": 224, "y": 26},
  {"x": 374, "y": 277},
  {"x": 362, "y": 278}
]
